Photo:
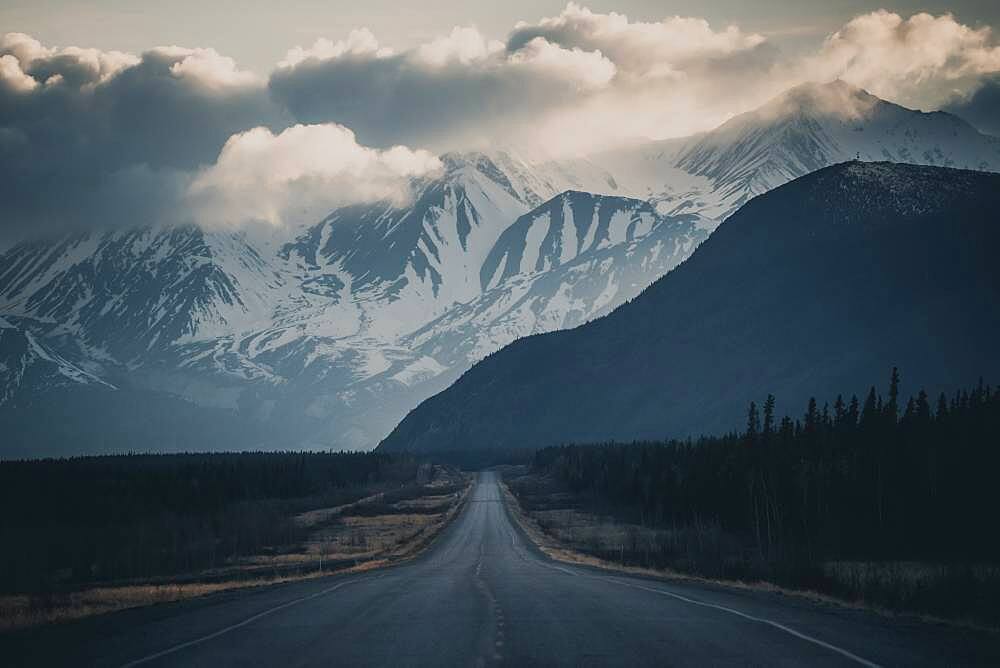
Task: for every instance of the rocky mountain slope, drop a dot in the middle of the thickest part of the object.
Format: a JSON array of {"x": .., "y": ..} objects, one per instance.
[
  {"x": 806, "y": 128},
  {"x": 329, "y": 338},
  {"x": 327, "y": 335},
  {"x": 817, "y": 287}
]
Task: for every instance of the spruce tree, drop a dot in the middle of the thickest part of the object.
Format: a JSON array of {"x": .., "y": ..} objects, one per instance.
[
  {"x": 839, "y": 412},
  {"x": 942, "y": 407},
  {"x": 892, "y": 407},
  {"x": 753, "y": 422},
  {"x": 769, "y": 415}
]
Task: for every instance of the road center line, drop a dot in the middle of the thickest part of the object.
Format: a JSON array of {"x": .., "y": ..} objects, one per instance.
[{"x": 248, "y": 620}]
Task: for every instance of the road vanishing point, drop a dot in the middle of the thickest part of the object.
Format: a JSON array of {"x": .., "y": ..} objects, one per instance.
[{"x": 484, "y": 595}]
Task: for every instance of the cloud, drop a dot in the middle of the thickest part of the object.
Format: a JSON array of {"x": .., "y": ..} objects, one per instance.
[
  {"x": 452, "y": 92},
  {"x": 173, "y": 135},
  {"x": 464, "y": 45},
  {"x": 90, "y": 136},
  {"x": 207, "y": 68},
  {"x": 920, "y": 61},
  {"x": 573, "y": 83},
  {"x": 583, "y": 80},
  {"x": 358, "y": 43},
  {"x": 261, "y": 176},
  {"x": 980, "y": 106},
  {"x": 71, "y": 65},
  {"x": 640, "y": 49},
  {"x": 84, "y": 131},
  {"x": 13, "y": 77}
]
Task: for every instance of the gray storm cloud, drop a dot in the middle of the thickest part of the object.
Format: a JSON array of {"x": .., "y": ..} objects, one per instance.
[
  {"x": 90, "y": 136},
  {"x": 980, "y": 106},
  {"x": 455, "y": 91},
  {"x": 582, "y": 80}
]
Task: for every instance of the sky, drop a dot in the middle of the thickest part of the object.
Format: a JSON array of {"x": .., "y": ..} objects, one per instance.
[
  {"x": 257, "y": 33},
  {"x": 232, "y": 113}
]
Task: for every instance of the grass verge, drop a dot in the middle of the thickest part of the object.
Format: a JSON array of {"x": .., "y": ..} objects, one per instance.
[
  {"x": 371, "y": 533},
  {"x": 559, "y": 550}
]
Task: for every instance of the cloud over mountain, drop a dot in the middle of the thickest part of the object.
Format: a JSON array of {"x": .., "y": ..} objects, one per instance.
[
  {"x": 91, "y": 136},
  {"x": 638, "y": 49},
  {"x": 920, "y": 61},
  {"x": 980, "y": 106},
  {"x": 457, "y": 90},
  {"x": 261, "y": 176}
]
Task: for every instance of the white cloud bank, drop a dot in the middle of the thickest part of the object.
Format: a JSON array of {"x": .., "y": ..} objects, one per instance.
[
  {"x": 582, "y": 80},
  {"x": 638, "y": 49},
  {"x": 90, "y": 135},
  {"x": 301, "y": 173},
  {"x": 921, "y": 61}
]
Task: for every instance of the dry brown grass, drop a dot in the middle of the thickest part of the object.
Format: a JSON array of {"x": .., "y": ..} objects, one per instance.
[
  {"x": 431, "y": 501},
  {"x": 908, "y": 576},
  {"x": 311, "y": 518},
  {"x": 370, "y": 542},
  {"x": 569, "y": 523},
  {"x": 22, "y": 611}
]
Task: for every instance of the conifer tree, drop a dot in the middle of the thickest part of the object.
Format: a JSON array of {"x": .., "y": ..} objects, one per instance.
[
  {"x": 942, "y": 407},
  {"x": 892, "y": 407},
  {"x": 769, "y": 415},
  {"x": 839, "y": 412},
  {"x": 753, "y": 422}
]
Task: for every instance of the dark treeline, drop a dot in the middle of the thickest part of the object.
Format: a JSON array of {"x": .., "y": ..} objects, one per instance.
[
  {"x": 869, "y": 478},
  {"x": 474, "y": 459},
  {"x": 67, "y": 522}
]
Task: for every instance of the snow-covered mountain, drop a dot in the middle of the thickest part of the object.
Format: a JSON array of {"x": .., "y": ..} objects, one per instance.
[
  {"x": 811, "y": 289},
  {"x": 817, "y": 125},
  {"x": 123, "y": 293},
  {"x": 309, "y": 332},
  {"x": 806, "y": 128},
  {"x": 28, "y": 364},
  {"x": 328, "y": 337},
  {"x": 568, "y": 261}
]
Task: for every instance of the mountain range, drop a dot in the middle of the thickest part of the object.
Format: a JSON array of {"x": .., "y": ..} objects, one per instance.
[
  {"x": 816, "y": 288},
  {"x": 326, "y": 336}
]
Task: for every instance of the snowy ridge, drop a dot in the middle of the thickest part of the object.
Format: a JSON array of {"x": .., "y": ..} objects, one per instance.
[
  {"x": 413, "y": 263},
  {"x": 570, "y": 260},
  {"x": 817, "y": 125},
  {"x": 123, "y": 292},
  {"x": 562, "y": 229},
  {"x": 342, "y": 328},
  {"x": 26, "y": 362}
]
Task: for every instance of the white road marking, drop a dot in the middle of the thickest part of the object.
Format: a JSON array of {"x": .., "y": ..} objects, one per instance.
[
  {"x": 798, "y": 634},
  {"x": 249, "y": 620},
  {"x": 843, "y": 652},
  {"x": 762, "y": 620},
  {"x": 566, "y": 570}
]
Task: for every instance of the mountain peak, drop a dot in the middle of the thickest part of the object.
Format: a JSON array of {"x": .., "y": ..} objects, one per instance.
[
  {"x": 809, "y": 290},
  {"x": 815, "y": 125},
  {"x": 896, "y": 191},
  {"x": 837, "y": 99}
]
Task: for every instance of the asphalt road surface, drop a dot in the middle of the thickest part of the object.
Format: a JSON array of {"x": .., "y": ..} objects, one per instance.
[{"x": 484, "y": 595}]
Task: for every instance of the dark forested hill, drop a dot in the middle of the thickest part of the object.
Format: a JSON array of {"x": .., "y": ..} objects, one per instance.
[{"x": 812, "y": 289}]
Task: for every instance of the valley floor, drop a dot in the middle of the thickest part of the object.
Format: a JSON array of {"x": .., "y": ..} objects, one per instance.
[
  {"x": 483, "y": 594},
  {"x": 371, "y": 532},
  {"x": 575, "y": 529}
]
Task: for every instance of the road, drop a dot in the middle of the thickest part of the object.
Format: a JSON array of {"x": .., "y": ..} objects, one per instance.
[{"x": 484, "y": 595}]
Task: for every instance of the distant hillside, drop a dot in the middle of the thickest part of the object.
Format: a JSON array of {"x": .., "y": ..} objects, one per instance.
[
  {"x": 325, "y": 335},
  {"x": 815, "y": 288}
]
